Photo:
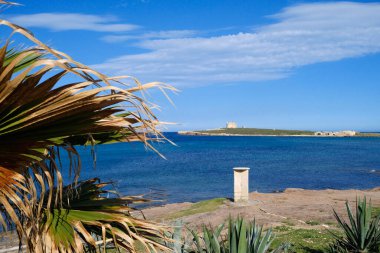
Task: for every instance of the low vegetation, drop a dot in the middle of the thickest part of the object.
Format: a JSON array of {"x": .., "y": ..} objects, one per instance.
[
  {"x": 303, "y": 240},
  {"x": 313, "y": 222},
  {"x": 367, "y": 134},
  {"x": 205, "y": 206},
  {"x": 375, "y": 211},
  {"x": 360, "y": 234},
  {"x": 237, "y": 236}
]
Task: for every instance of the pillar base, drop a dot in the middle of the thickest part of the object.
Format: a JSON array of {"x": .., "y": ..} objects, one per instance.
[{"x": 241, "y": 187}]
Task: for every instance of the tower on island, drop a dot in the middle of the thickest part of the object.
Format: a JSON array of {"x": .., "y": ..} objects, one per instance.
[{"x": 231, "y": 124}]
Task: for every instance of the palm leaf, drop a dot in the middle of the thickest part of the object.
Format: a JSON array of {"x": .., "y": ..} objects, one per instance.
[
  {"x": 49, "y": 102},
  {"x": 87, "y": 215}
]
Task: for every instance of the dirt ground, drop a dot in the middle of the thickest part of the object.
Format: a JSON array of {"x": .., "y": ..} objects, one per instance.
[{"x": 296, "y": 207}]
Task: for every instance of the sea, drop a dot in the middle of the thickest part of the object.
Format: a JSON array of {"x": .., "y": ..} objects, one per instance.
[{"x": 201, "y": 167}]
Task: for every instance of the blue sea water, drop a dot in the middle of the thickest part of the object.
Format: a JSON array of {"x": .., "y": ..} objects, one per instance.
[{"x": 200, "y": 167}]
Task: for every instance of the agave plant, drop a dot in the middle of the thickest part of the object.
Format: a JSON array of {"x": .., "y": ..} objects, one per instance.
[
  {"x": 50, "y": 103},
  {"x": 361, "y": 234},
  {"x": 177, "y": 238},
  {"x": 210, "y": 241},
  {"x": 242, "y": 237}
]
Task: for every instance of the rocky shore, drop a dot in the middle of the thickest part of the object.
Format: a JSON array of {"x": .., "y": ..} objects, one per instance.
[
  {"x": 293, "y": 211},
  {"x": 298, "y": 207}
]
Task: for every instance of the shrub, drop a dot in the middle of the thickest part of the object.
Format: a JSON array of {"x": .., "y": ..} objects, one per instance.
[
  {"x": 361, "y": 233},
  {"x": 241, "y": 237}
]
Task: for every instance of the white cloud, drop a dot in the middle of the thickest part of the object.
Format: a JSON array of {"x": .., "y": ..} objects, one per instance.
[
  {"x": 171, "y": 34},
  {"x": 300, "y": 35},
  {"x": 72, "y": 21}
]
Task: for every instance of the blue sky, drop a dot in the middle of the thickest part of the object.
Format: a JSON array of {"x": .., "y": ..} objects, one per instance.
[{"x": 271, "y": 64}]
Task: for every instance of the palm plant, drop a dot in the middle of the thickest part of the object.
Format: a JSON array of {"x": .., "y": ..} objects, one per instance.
[
  {"x": 361, "y": 234},
  {"x": 50, "y": 103},
  {"x": 90, "y": 213}
]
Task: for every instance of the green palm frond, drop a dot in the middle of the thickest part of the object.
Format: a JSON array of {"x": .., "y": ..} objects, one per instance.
[{"x": 89, "y": 216}]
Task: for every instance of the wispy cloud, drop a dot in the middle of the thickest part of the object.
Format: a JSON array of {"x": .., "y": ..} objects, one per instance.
[
  {"x": 300, "y": 35},
  {"x": 72, "y": 21},
  {"x": 171, "y": 34}
]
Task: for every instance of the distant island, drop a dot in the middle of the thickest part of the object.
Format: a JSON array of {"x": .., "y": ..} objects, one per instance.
[{"x": 232, "y": 129}]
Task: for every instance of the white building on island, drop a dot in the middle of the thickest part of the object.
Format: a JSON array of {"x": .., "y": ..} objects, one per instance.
[{"x": 231, "y": 124}]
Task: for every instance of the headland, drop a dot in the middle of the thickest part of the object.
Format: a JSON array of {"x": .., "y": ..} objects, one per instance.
[{"x": 240, "y": 131}]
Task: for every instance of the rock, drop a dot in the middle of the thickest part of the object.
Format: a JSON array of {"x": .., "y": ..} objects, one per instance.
[{"x": 288, "y": 190}]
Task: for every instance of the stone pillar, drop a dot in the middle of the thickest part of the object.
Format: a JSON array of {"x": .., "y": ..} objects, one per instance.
[{"x": 241, "y": 175}]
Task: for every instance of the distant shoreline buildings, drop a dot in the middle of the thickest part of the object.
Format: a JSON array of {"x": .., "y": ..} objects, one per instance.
[
  {"x": 232, "y": 129},
  {"x": 233, "y": 125},
  {"x": 338, "y": 133}
]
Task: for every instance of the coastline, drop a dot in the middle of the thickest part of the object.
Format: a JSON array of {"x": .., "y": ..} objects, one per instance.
[
  {"x": 224, "y": 134},
  {"x": 195, "y": 133},
  {"x": 301, "y": 207},
  {"x": 303, "y": 218},
  {"x": 306, "y": 214}
]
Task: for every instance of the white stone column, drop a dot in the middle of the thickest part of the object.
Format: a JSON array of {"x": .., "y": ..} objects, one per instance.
[{"x": 241, "y": 187}]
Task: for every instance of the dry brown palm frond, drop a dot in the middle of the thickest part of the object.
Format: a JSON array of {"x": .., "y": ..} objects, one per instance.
[
  {"x": 42, "y": 108},
  {"x": 2, "y": 2},
  {"x": 87, "y": 218},
  {"x": 11, "y": 188},
  {"x": 35, "y": 115},
  {"x": 108, "y": 218},
  {"x": 30, "y": 106}
]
